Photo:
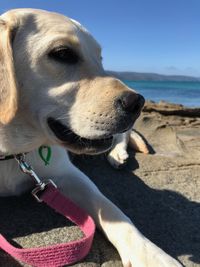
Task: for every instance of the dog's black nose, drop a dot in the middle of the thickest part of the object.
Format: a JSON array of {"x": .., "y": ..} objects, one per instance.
[{"x": 131, "y": 102}]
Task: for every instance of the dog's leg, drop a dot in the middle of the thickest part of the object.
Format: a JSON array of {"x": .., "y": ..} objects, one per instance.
[
  {"x": 135, "y": 250},
  {"x": 118, "y": 155},
  {"x": 137, "y": 142}
]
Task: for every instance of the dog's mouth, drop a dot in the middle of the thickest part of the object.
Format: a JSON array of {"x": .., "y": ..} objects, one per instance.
[{"x": 76, "y": 143}]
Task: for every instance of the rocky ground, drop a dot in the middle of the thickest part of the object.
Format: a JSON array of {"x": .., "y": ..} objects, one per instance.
[{"x": 159, "y": 191}]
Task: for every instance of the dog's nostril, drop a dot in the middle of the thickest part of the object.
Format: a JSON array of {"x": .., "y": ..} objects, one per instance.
[
  {"x": 140, "y": 101},
  {"x": 131, "y": 102}
]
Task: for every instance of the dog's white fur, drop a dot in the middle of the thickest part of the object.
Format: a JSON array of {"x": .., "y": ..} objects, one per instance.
[
  {"x": 39, "y": 87},
  {"x": 118, "y": 155}
]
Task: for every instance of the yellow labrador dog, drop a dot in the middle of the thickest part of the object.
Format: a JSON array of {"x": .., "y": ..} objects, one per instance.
[{"x": 54, "y": 91}]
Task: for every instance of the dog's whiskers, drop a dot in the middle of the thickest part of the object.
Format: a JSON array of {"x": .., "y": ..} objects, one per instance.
[{"x": 64, "y": 117}]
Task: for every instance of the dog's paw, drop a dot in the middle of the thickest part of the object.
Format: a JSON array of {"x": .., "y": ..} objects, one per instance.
[
  {"x": 117, "y": 157},
  {"x": 144, "y": 253}
]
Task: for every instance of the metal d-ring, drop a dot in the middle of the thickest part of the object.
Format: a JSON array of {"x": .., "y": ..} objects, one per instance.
[{"x": 26, "y": 168}]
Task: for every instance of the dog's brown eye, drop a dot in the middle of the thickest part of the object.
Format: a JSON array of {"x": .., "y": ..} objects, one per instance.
[{"x": 64, "y": 55}]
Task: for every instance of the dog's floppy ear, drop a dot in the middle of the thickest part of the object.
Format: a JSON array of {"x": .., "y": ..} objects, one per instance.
[{"x": 8, "y": 85}]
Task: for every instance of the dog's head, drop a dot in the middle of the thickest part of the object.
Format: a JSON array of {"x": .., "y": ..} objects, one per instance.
[{"x": 54, "y": 86}]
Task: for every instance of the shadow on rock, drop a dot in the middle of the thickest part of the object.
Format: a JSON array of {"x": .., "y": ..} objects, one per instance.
[{"x": 166, "y": 217}]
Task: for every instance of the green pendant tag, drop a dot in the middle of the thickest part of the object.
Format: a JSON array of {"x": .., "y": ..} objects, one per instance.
[{"x": 45, "y": 154}]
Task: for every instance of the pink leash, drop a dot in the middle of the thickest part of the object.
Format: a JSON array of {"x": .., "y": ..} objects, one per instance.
[{"x": 59, "y": 254}]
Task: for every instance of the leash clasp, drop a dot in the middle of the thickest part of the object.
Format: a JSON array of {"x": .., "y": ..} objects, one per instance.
[{"x": 26, "y": 168}]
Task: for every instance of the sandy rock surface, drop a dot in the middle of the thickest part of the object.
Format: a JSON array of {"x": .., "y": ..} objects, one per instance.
[{"x": 160, "y": 192}]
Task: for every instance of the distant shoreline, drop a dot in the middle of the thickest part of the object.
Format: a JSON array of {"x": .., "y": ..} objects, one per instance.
[{"x": 139, "y": 76}]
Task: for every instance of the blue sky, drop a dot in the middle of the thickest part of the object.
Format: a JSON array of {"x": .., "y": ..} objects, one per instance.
[{"x": 136, "y": 35}]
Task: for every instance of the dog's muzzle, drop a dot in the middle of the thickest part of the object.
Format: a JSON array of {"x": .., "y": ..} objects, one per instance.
[
  {"x": 128, "y": 107},
  {"x": 76, "y": 143}
]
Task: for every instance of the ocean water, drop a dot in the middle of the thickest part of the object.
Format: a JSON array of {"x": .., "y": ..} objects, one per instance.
[{"x": 185, "y": 93}]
